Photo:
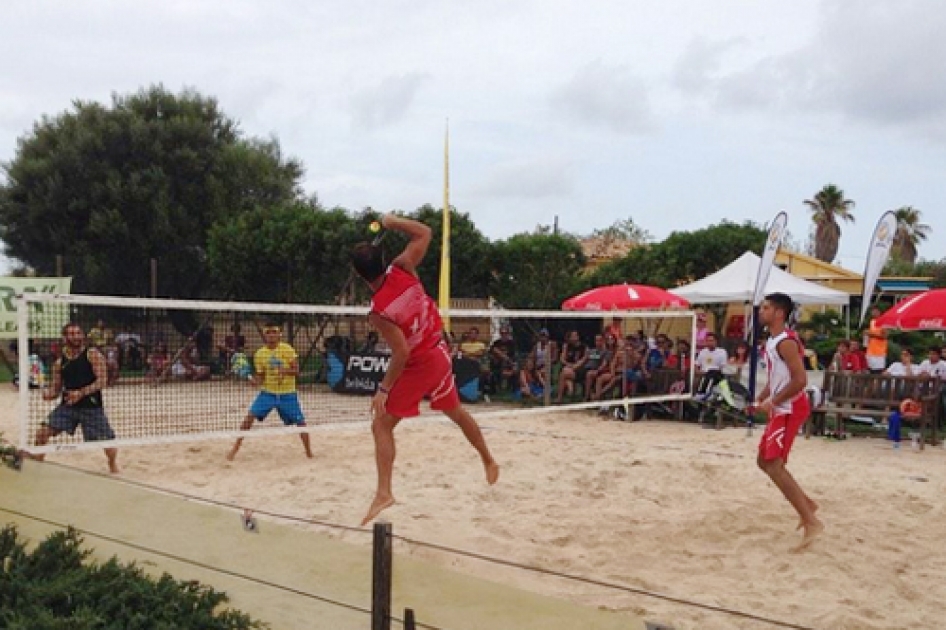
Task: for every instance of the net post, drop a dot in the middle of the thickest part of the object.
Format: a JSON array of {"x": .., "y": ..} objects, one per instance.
[
  {"x": 23, "y": 366},
  {"x": 409, "y": 623},
  {"x": 381, "y": 577}
]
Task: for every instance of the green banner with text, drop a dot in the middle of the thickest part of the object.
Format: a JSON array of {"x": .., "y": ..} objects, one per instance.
[{"x": 54, "y": 316}]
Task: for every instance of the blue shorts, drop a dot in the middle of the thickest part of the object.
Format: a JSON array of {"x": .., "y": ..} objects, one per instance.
[
  {"x": 93, "y": 421},
  {"x": 633, "y": 376},
  {"x": 286, "y": 404}
]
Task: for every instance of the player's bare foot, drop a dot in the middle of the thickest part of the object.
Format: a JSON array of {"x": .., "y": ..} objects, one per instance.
[
  {"x": 113, "y": 468},
  {"x": 231, "y": 456},
  {"x": 814, "y": 508},
  {"x": 380, "y": 503},
  {"x": 27, "y": 455},
  {"x": 812, "y": 531},
  {"x": 492, "y": 473}
]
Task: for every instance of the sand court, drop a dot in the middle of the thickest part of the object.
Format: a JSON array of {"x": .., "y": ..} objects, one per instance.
[{"x": 655, "y": 506}]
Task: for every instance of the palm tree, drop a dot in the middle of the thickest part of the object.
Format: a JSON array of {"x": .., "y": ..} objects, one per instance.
[
  {"x": 827, "y": 207},
  {"x": 910, "y": 232}
]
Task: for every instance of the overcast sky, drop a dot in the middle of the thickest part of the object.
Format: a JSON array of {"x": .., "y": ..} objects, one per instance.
[{"x": 675, "y": 113}]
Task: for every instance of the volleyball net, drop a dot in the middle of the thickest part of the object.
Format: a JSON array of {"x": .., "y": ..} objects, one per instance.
[{"x": 182, "y": 370}]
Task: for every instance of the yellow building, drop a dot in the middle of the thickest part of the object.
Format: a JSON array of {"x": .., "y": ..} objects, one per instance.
[
  {"x": 599, "y": 250},
  {"x": 832, "y": 276},
  {"x": 810, "y": 268}
]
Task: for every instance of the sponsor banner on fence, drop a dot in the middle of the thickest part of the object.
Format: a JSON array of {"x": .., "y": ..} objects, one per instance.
[
  {"x": 361, "y": 373},
  {"x": 54, "y": 316}
]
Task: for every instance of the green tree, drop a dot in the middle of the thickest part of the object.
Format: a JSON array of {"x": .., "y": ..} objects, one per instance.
[
  {"x": 828, "y": 207},
  {"x": 535, "y": 271},
  {"x": 910, "y": 233},
  {"x": 683, "y": 256},
  {"x": 110, "y": 187},
  {"x": 291, "y": 252},
  {"x": 921, "y": 269},
  {"x": 623, "y": 230},
  {"x": 469, "y": 253}
]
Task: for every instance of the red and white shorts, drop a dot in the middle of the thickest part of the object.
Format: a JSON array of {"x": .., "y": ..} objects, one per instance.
[
  {"x": 427, "y": 374},
  {"x": 781, "y": 429}
]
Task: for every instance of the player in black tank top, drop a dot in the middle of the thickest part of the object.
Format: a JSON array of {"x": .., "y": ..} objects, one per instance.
[{"x": 79, "y": 376}]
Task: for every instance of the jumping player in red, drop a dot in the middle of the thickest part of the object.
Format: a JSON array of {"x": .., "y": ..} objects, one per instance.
[
  {"x": 786, "y": 404},
  {"x": 420, "y": 361}
]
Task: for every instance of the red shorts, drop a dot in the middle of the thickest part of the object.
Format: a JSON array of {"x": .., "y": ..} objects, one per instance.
[
  {"x": 427, "y": 374},
  {"x": 781, "y": 429}
]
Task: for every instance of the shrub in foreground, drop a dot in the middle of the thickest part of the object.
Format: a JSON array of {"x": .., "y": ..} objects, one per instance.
[{"x": 55, "y": 587}]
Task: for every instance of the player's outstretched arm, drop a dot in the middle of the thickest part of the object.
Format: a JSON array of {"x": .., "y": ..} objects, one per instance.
[{"x": 419, "y": 235}]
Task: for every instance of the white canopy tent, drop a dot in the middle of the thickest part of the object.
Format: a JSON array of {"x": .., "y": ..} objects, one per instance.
[{"x": 736, "y": 283}]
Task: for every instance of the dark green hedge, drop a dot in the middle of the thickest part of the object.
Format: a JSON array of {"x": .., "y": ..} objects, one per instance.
[{"x": 54, "y": 587}]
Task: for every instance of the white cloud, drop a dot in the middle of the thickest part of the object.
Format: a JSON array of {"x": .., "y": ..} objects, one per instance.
[
  {"x": 386, "y": 103},
  {"x": 605, "y": 96},
  {"x": 536, "y": 178},
  {"x": 870, "y": 61}
]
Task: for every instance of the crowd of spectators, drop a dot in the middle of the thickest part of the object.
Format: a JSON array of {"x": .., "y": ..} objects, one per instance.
[{"x": 571, "y": 368}]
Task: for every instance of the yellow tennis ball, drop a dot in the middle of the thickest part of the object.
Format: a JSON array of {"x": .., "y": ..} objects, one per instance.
[{"x": 374, "y": 227}]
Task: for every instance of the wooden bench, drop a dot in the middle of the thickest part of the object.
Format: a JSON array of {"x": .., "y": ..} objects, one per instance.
[{"x": 847, "y": 394}]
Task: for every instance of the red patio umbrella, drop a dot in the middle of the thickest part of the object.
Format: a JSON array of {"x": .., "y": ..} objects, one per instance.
[
  {"x": 924, "y": 311},
  {"x": 624, "y": 297}
]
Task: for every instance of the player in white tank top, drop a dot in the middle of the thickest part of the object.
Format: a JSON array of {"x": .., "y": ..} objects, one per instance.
[
  {"x": 779, "y": 374},
  {"x": 784, "y": 400}
]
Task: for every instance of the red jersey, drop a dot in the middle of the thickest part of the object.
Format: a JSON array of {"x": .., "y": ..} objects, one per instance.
[
  {"x": 402, "y": 300},
  {"x": 856, "y": 361}
]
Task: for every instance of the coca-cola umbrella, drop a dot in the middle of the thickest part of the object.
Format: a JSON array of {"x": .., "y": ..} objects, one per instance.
[
  {"x": 924, "y": 311},
  {"x": 624, "y": 297}
]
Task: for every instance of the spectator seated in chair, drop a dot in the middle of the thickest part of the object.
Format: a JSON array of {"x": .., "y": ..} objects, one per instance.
[
  {"x": 573, "y": 358},
  {"x": 112, "y": 365},
  {"x": 188, "y": 366},
  {"x": 240, "y": 366},
  {"x": 157, "y": 363},
  {"x": 502, "y": 363},
  {"x": 709, "y": 364},
  {"x": 905, "y": 366},
  {"x": 472, "y": 347},
  {"x": 596, "y": 357},
  {"x": 544, "y": 352},
  {"x": 910, "y": 410},
  {"x": 841, "y": 360},
  {"x": 531, "y": 380},
  {"x": 611, "y": 375},
  {"x": 232, "y": 343},
  {"x": 857, "y": 359},
  {"x": 635, "y": 372}
]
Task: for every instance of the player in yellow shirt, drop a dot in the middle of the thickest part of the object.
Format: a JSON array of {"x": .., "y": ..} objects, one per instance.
[{"x": 277, "y": 366}]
